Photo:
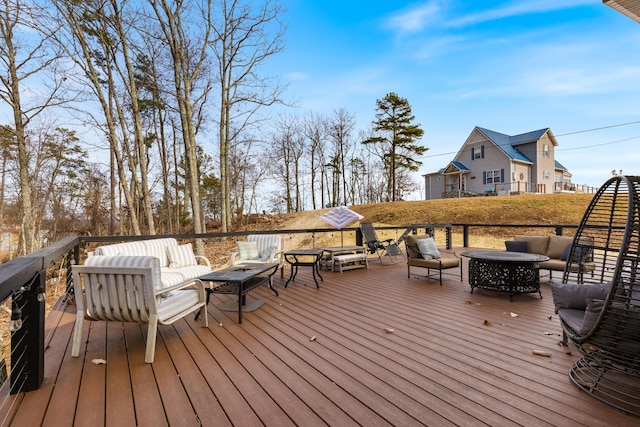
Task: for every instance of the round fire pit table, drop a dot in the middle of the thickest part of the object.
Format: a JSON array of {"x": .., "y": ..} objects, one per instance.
[{"x": 504, "y": 271}]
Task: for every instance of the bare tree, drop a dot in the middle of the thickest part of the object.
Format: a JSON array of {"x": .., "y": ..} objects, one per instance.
[
  {"x": 94, "y": 195},
  {"x": 315, "y": 129},
  {"x": 288, "y": 147},
  {"x": 247, "y": 35},
  {"x": 341, "y": 126},
  {"x": 248, "y": 166},
  {"x": 127, "y": 72},
  {"x": 177, "y": 21},
  {"x": 7, "y": 142},
  {"x": 27, "y": 54},
  {"x": 92, "y": 49}
]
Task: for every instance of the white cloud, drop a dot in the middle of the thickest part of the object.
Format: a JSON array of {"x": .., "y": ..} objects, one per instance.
[
  {"x": 414, "y": 19},
  {"x": 297, "y": 75},
  {"x": 517, "y": 8}
]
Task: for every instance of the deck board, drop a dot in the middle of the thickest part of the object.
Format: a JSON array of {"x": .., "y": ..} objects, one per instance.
[
  {"x": 120, "y": 409},
  {"x": 91, "y": 407},
  {"x": 441, "y": 365},
  {"x": 287, "y": 386}
]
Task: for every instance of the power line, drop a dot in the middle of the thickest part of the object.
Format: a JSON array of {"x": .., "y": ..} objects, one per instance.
[
  {"x": 600, "y": 128},
  {"x": 569, "y": 133},
  {"x": 599, "y": 145}
]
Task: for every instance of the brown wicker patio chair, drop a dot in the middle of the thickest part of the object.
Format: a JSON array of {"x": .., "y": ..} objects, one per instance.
[{"x": 600, "y": 311}]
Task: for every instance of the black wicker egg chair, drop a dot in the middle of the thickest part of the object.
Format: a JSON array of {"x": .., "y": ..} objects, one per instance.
[{"x": 605, "y": 323}]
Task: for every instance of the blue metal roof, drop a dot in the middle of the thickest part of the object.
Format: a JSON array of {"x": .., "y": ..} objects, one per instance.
[
  {"x": 508, "y": 143},
  {"x": 460, "y": 166},
  {"x": 532, "y": 136}
]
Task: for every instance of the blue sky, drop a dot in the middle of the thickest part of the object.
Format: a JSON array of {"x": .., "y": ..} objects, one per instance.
[{"x": 509, "y": 66}]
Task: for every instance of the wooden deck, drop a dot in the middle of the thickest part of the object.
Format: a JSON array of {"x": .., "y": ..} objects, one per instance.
[{"x": 323, "y": 357}]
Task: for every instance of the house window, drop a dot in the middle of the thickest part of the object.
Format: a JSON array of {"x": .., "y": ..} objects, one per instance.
[
  {"x": 477, "y": 152},
  {"x": 494, "y": 176},
  {"x": 545, "y": 150},
  {"x": 546, "y": 174}
]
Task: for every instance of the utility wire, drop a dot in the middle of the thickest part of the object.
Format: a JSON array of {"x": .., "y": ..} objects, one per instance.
[
  {"x": 569, "y": 133},
  {"x": 595, "y": 129},
  {"x": 598, "y": 145}
]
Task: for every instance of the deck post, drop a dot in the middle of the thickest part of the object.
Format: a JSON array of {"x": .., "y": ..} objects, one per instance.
[
  {"x": 359, "y": 237},
  {"x": 27, "y": 342},
  {"x": 465, "y": 235}
]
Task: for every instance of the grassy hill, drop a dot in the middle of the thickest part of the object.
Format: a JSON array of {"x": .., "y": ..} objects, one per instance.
[
  {"x": 566, "y": 209},
  {"x": 521, "y": 209}
]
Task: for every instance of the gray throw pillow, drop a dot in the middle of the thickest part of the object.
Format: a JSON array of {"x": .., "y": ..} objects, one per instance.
[
  {"x": 581, "y": 254},
  {"x": 575, "y": 295},
  {"x": 516, "y": 245}
]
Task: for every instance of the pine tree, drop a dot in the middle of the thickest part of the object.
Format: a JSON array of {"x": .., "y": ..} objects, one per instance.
[{"x": 397, "y": 135}]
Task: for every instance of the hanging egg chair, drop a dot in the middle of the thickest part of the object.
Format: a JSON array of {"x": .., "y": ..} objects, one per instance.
[{"x": 598, "y": 301}]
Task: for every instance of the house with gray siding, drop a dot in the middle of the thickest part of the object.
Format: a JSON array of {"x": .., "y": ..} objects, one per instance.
[{"x": 492, "y": 163}]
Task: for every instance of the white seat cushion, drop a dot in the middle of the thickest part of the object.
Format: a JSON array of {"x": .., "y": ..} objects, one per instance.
[
  {"x": 170, "y": 277},
  {"x": 349, "y": 257},
  {"x": 189, "y": 272},
  {"x": 177, "y": 303}
]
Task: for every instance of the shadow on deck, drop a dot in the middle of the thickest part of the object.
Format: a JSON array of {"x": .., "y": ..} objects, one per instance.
[{"x": 323, "y": 357}]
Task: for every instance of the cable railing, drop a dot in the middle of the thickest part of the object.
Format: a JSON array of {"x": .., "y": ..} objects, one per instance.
[{"x": 37, "y": 286}]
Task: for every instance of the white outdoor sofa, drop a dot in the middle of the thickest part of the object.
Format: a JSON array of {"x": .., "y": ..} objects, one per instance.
[{"x": 152, "y": 281}]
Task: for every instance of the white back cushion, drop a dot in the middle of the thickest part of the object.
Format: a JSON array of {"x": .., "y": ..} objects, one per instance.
[
  {"x": 181, "y": 256},
  {"x": 129, "y": 261},
  {"x": 158, "y": 249},
  {"x": 128, "y": 248},
  {"x": 266, "y": 243}
]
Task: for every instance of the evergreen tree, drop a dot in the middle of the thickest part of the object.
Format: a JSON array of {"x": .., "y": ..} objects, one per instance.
[{"x": 397, "y": 136}]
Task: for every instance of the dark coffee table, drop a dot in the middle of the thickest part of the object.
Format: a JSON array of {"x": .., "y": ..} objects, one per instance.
[
  {"x": 504, "y": 271},
  {"x": 239, "y": 280}
]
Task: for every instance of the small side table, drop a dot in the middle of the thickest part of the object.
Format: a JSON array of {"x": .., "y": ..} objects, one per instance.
[{"x": 304, "y": 258}]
